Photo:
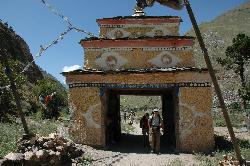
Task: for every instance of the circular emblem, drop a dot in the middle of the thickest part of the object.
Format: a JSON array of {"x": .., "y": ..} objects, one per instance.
[
  {"x": 111, "y": 61},
  {"x": 118, "y": 34},
  {"x": 166, "y": 59}
]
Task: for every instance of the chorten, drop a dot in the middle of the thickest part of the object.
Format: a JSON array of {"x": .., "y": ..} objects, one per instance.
[{"x": 141, "y": 55}]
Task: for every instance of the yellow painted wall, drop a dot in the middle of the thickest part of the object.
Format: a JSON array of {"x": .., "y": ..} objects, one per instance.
[
  {"x": 195, "y": 119},
  {"x": 137, "y": 58},
  {"x": 87, "y": 118}
]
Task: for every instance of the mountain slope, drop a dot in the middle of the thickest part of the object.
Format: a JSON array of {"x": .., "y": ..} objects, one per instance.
[
  {"x": 218, "y": 35},
  {"x": 19, "y": 54},
  {"x": 19, "y": 50}
]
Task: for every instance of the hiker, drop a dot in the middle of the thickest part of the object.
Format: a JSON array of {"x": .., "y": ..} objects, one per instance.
[
  {"x": 125, "y": 116},
  {"x": 145, "y": 128},
  {"x": 131, "y": 118},
  {"x": 48, "y": 98},
  {"x": 155, "y": 123}
]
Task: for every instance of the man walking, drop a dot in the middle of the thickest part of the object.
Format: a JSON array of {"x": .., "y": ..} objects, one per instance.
[{"x": 155, "y": 123}]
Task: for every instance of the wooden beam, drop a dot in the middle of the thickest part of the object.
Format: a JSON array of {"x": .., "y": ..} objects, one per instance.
[{"x": 215, "y": 82}]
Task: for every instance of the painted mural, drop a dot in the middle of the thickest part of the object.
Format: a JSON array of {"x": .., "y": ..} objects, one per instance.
[
  {"x": 86, "y": 127},
  {"x": 117, "y": 33},
  {"x": 132, "y": 32},
  {"x": 195, "y": 119},
  {"x": 165, "y": 59},
  {"x": 159, "y": 31},
  {"x": 137, "y": 58},
  {"x": 136, "y": 27},
  {"x": 110, "y": 61}
]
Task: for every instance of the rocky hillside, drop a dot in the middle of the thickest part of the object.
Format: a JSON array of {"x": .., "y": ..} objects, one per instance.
[
  {"x": 19, "y": 50},
  {"x": 19, "y": 53},
  {"x": 218, "y": 35}
]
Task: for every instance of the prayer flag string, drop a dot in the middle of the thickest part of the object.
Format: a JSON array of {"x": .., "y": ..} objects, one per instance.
[
  {"x": 58, "y": 39},
  {"x": 65, "y": 19}
]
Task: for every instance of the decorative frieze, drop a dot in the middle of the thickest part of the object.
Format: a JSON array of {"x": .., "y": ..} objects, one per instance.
[
  {"x": 140, "y": 86},
  {"x": 138, "y": 25},
  {"x": 143, "y": 48}
]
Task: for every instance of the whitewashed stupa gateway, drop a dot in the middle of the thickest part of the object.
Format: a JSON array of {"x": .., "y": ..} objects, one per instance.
[{"x": 141, "y": 55}]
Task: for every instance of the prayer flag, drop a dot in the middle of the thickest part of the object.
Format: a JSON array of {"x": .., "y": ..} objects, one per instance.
[{"x": 175, "y": 4}]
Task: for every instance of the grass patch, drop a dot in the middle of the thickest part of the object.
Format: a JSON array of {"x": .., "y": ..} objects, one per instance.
[
  {"x": 11, "y": 132},
  {"x": 43, "y": 127},
  {"x": 237, "y": 119},
  {"x": 222, "y": 147},
  {"x": 127, "y": 128},
  {"x": 209, "y": 160}
]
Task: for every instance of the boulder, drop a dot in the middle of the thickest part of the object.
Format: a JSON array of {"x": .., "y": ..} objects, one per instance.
[
  {"x": 48, "y": 144},
  {"x": 54, "y": 159},
  {"x": 52, "y": 150},
  {"x": 29, "y": 155},
  {"x": 14, "y": 157},
  {"x": 42, "y": 154}
]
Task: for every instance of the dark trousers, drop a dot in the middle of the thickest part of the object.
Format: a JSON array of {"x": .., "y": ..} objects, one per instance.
[{"x": 154, "y": 139}]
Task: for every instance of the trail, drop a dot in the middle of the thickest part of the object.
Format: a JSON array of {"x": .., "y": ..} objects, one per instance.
[{"x": 131, "y": 152}]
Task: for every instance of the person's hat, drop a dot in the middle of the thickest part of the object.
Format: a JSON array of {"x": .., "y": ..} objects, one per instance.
[{"x": 156, "y": 110}]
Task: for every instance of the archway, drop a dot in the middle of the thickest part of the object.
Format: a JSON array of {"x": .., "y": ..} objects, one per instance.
[{"x": 169, "y": 115}]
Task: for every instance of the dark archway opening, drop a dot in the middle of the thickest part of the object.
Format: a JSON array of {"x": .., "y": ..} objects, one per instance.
[{"x": 122, "y": 142}]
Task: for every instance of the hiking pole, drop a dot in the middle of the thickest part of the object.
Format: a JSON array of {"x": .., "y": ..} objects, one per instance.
[{"x": 214, "y": 80}]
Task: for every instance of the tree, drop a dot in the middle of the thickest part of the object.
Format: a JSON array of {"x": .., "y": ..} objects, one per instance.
[
  {"x": 7, "y": 104},
  {"x": 237, "y": 57}
]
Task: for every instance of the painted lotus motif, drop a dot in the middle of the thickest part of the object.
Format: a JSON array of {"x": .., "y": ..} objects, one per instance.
[
  {"x": 110, "y": 61},
  {"x": 165, "y": 59}
]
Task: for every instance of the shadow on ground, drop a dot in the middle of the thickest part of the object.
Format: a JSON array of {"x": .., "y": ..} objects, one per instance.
[{"x": 134, "y": 144}]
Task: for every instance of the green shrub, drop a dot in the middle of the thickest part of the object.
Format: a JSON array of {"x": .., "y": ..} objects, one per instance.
[{"x": 57, "y": 103}]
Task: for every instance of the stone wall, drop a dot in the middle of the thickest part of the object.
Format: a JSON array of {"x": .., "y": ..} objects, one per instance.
[
  {"x": 195, "y": 119},
  {"x": 87, "y": 116}
]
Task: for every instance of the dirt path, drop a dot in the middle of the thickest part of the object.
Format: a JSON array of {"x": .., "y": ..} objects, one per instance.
[
  {"x": 133, "y": 156},
  {"x": 238, "y": 133},
  {"x": 131, "y": 152},
  {"x": 137, "y": 129}
]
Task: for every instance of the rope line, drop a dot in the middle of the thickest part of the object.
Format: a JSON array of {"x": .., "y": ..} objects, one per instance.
[
  {"x": 43, "y": 49},
  {"x": 40, "y": 53},
  {"x": 58, "y": 39},
  {"x": 65, "y": 19}
]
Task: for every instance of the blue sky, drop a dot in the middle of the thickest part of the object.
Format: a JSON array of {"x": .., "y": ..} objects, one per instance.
[{"x": 37, "y": 25}]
